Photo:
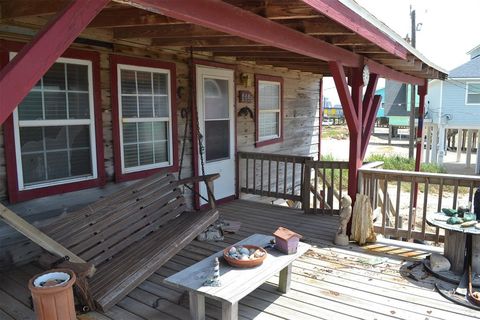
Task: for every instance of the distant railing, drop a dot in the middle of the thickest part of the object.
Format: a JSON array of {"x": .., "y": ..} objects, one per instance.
[
  {"x": 324, "y": 184},
  {"x": 271, "y": 175},
  {"x": 393, "y": 195}
]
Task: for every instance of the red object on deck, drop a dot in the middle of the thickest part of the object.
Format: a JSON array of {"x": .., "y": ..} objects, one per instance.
[{"x": 422, "y": 92}]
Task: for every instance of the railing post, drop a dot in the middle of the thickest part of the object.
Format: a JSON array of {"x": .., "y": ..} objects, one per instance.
[{"x": 306, "y": 187}]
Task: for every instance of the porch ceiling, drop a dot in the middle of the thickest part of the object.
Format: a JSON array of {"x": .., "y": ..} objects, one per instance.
[{"x": 121, "y": 23}]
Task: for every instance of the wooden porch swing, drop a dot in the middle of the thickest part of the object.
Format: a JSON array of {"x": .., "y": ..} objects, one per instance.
[{"x": 126, "y": 236}]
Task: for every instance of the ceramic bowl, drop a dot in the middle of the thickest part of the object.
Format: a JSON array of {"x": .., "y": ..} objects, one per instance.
[{"x": 245, "y": 263}]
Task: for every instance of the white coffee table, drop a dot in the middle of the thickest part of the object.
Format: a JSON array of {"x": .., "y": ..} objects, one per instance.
[{"x": 236, "y": 283}]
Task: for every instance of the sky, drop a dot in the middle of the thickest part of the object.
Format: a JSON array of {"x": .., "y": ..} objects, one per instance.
[{"x": 449, "y": 29}]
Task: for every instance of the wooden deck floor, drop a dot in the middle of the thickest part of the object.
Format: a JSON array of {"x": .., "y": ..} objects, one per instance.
[{"x": 329, "y": 282}]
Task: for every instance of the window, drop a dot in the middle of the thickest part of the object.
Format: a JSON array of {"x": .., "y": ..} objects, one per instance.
[
  {"x": 473, "y": 93},
  {"x": 269, "y": 109},
  {"x": 54, "y": 128},
  {"x": 145, "y": 122}
]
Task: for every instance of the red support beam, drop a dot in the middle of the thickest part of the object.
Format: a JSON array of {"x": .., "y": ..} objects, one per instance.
[
  {"x": 369, "y": 94},
  {"x": 422, "y": 92},
  {"x": 320, "y": 118},
  {"x": 370, "y": 123},
  {"x": 222, "y": 16},
  {"x": 34, "y": 60},
  {"x": 343, "y": 15},
  {"x": 348, "y": 106}
]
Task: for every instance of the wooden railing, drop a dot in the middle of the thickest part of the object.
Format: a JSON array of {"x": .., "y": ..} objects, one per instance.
[
  {"x": 271, "y": 175},
  {"x": 324, "y": 184},
  {"x": 392, "y": 194}
]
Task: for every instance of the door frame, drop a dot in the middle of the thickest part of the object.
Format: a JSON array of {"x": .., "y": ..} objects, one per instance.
[{"x": 193, "y": 92}]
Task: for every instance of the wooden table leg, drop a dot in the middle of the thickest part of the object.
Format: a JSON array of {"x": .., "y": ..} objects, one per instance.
[
  {"x": 285, "y": 279},
  {"x": 229, "y": 310},
  {"x": 197, "y": 306}
]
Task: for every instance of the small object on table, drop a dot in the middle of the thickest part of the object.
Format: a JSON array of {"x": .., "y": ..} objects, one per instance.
[
  {"x": 214, "y": 280},
  {"x": 449, "y": 212},
  {"x": 468, "y": 216},
  {"x": 246, "y": 256},
  {"x": 477, "y": 226},
  {"x": 468, "y": 224},
  {"x": 454, "y": 220},
  {"x": 286, "y": 241}
]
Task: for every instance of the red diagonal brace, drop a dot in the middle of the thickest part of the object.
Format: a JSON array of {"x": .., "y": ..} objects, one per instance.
[
  {"x": 345, "y": 98},
  {"x": 370, "y": 123},
  {"x": 34, "y": 60},
  {"x": 368, "y": 98}
]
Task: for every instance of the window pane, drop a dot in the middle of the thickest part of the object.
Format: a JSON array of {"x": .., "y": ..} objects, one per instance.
[
  {"x": 31, "y": 107},
  {"x": 161, "y": 152},
  {"x": 160, "y": 84},
  {"x": 217, "y": 140},
  {"x": 146, "y": 153},
  {"x": 268, "y": 96},
  {"x": 54, "y": 79},
  {"x": 145, "y": 132},
  {"x": 130, "y": 155},
  {"x": 473, "y": 98},
  {"x": 55, "y": 105},
  {"x": 129, "y": 132},
  {"x": 145, "y": 107},
  {"x": 81, "y": 162},
  {"x": 129, "y": 107},
  {"x": 268, "y": 124},
  {"x": 161, "y": 106},
  {"x": 77, "y": 77},
  {"x": 160, "y": 131},
  {"x": 79, "y": 137},
  {"x": 31, "y": 139},
  {"x": 144, "y": 82},
  {"x": 78, "y": 106},
  {"x": 474, "y": 88},
  {"x": 57, "y": 165},
  {"x": 55, "y": 138},
  {"x": 128, "y": 82},
  {"x": 33, "y": 168},
  {"x": 216, "y": 99}
]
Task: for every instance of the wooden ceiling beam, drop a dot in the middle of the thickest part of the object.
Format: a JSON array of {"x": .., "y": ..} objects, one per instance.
[
  {"x": 126, "y": 17},
  {"x": 289, "y": 11},
  {"x": 284, "y": 54},
  {"x": 348, "y": 40},
  {"x": 226, "y": 41},
  {"x": 166, "y": 31},
  {"x": 259, "y": 48},
  {"x": 28, "y": 8},
  {"x": 229, "y": 19},
  {"x": 284, "y": 60},
  {"x": 325, "y": 27}
]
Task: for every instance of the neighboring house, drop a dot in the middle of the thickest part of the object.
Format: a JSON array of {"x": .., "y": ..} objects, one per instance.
[{"x": 454, "y": 106}]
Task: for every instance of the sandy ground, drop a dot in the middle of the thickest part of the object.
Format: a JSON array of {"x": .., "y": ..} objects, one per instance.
[{"x": 379, "y": 144}]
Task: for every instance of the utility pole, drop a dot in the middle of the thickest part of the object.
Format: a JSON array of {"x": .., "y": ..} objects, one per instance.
[{"x": 412, "y": 135}]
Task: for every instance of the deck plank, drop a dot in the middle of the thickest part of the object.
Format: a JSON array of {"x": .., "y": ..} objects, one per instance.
[{"x": 330, "y": 282}]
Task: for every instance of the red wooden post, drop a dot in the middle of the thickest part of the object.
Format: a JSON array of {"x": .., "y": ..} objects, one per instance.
[
  {"x": 422, "y": 92},
  {"x": 34, "y": 60}
]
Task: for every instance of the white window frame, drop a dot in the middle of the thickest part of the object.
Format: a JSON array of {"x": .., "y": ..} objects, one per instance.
[
  {"x": 279, "y": 111},
  {"x": 122, "y": 120},
  {"x": 466, "y": 93},
  {"x": 58, "y": 122}
]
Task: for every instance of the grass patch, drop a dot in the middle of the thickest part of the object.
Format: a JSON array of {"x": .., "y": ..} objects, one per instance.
[
  {"x": 339, "y": 132},
  {"x": 396, "y": 162}
]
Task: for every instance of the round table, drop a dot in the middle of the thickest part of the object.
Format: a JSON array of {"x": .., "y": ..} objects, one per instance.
[{"x": 462, "y": 249}]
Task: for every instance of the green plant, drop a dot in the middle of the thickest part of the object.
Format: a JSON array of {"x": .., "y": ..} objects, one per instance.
[{"x": 396, "y": 162}]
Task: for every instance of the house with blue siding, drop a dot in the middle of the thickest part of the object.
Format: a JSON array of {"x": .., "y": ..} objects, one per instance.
[{"x": 453, "y": 113}]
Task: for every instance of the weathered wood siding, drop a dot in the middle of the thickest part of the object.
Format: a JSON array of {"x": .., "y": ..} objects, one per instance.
[{"x": 300, "y": 131}]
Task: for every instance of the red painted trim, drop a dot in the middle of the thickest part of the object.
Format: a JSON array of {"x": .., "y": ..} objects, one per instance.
[
  {"x": 369, "y": 123},
  {"x": 343, "y": 15},
  {"x": 16, "y": 195},
  {"x": 221, "y": 16},
  {"x": 348, "y": 107},
  {"x": 19, "y": 76},
  {"x": 115, "y": 60},
  {"x": 263, "y": 77},
  {"x": 195, "y": 151}
]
